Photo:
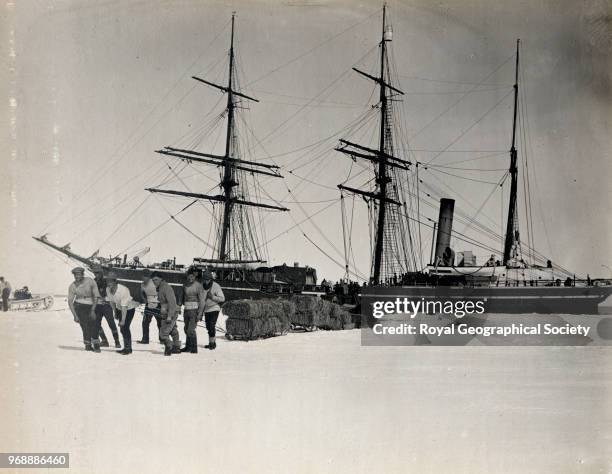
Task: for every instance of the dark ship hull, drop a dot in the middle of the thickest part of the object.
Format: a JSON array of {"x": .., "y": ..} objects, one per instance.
[
  {"x": 256, "y": 284},
  {"x": 237, "y": 281}
]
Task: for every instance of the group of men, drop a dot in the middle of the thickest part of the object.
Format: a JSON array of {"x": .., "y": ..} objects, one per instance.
[{"x": 92, "y": 300}]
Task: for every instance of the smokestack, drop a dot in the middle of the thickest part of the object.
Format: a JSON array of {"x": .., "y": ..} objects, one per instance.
[{"x": 445, "y": 226}]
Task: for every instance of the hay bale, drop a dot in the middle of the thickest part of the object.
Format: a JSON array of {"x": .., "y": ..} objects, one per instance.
[
  {"x": 338, "y": 318},
  {"x": 279, "y": 308},
  {"x": 325, "y": 312},
  {"x": 341, "y": 314},
  {"x": 288, "y": 307},
  {"x": 245, "y": 328},
  {"x": 304, "y": 319},
  {"x": 275, "y": 326},
  {"x": 252, "y": 319},
  {"x": 306, "y": 303},
  {"x": 244, "y": 309},
  {"x": 346, "y": 318},
  {"x": 307, "y": 310}
]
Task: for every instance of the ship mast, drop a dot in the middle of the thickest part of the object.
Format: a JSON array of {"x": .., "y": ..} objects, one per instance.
[
  {"x": 382, "y": 157},
  {"x": 233, "y": 167},
  {"x": 228, "y": 182},
  {"x": 382, "y": 164},
  {"x": 512, "y": 231}
]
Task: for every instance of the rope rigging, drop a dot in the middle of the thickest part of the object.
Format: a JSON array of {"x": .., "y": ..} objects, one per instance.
[{"x": 406, "y": 247}]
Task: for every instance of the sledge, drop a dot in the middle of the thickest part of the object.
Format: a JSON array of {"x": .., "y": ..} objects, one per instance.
[{"x": 23, "y": 300}]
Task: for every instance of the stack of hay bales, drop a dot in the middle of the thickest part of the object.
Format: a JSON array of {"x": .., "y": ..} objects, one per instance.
[
  {"x": 307, "y": 311},
  {"x": 325, "y": 320},
  {"x": 340, "y": 318},
  {"x": 311, "y": 312},
  {"x": 253, "y": 319}
]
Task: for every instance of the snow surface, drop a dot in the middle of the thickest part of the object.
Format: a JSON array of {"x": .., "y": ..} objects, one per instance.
[{"x": 302, "y": 403}]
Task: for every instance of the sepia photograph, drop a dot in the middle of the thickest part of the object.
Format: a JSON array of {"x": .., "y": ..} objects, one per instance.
[{"x": 306, "y": 236}]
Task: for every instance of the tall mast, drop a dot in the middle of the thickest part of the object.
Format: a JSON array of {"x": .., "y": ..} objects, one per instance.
[
  {"x": 382, "y": 164},
  {"x": 512, "y": 233},
  {"x": 228, "y": 182},
  {"x": 234, "y": 169},
  {"x": 381, "y": 157}
]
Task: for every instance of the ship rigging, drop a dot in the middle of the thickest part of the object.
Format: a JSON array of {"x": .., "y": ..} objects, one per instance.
[{"x": 403, "y": 185}]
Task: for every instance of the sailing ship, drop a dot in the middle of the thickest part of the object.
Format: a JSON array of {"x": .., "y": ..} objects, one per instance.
[
  {"x": 236, "y": 261},
  {"x": 506, "y": 285}
]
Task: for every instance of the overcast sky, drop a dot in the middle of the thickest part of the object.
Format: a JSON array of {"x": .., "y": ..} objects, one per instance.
[{"x": 92, "y": 88}]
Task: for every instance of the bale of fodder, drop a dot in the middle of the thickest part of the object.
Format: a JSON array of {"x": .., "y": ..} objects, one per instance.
[
  {"x": 244, "y": 328},
  {"x": 341, "y": 318},
  {"x": 275, "y": 326},
  {"x": 307, "y": 310},
  {"x": 245, "y": 309},
  {"x": 256, "y": 328},
  {"x": 306, "y": 303},
  {"x": 325, "y": 320},
  {"x": 252, "y": 319},
  {"x": 309, "y": 319},
  {"x": 287, "y": 308},
  {"x": 335, "y": 319},
  {"x": 342, "y": 314},
  {"x": 347, "y": 319},
  {"x": 280, "y": 308}
]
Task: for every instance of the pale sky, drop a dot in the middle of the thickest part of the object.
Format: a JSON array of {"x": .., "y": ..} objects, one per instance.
[{"x": 91, "y": 88}]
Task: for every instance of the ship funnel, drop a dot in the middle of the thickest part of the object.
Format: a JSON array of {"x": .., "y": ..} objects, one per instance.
[{"x": 445, "y": 227}]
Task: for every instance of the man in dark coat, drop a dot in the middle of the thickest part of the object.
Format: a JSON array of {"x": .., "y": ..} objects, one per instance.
[{"x": 169, "y": 313}]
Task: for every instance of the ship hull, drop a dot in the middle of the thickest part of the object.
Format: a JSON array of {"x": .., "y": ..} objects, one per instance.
[
  {"x": 543, "y": 300},
  {"x": 232, "y": 290}
]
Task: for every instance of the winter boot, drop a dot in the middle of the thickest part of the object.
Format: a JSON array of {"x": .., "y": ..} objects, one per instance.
[{"x": 187, "y": 347}]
